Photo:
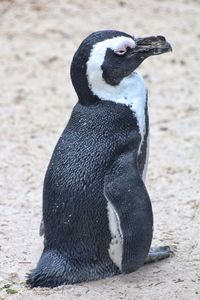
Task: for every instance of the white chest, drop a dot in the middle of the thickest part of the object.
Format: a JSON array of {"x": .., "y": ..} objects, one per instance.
[{"x": 131, "y": 92}]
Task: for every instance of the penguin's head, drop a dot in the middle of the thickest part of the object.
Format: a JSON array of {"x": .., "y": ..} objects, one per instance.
[{"x": 106, "y": 58}]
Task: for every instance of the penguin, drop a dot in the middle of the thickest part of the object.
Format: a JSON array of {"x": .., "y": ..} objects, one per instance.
[{"x": 97, "y": 214}]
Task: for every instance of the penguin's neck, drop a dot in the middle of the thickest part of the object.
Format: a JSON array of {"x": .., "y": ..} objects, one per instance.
[{"x": 131, "y": 91}]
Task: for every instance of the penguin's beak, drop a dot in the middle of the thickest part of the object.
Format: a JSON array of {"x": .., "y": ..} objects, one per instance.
[{"x": 152, "y": 45}]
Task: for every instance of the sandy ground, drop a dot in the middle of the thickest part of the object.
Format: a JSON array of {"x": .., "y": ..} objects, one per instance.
[{"x": 37, "y": 42}]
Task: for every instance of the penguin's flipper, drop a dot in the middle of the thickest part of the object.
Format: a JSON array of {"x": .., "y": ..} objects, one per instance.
[{"x": 124, "y": 188}]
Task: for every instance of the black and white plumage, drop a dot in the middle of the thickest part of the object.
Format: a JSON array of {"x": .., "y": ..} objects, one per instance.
[{"x": 97, "y": 214}]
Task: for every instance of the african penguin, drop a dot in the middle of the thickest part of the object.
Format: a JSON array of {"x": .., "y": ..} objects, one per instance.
[{"x": 97, "y": 215}]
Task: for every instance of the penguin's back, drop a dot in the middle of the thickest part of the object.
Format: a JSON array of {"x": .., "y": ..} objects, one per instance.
[{"x": 74, "y": 206}]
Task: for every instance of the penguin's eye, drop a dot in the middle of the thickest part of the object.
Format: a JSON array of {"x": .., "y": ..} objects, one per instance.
[{"x": 121, "y": 51}]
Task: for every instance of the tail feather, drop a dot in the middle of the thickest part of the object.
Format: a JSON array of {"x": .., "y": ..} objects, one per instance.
[
  {"x": 50, "y": 271},
  {"x": 55, "y": 269}
]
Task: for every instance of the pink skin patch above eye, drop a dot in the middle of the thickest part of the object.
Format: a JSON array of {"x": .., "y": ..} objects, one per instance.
[{"x": 122, "y": 47}]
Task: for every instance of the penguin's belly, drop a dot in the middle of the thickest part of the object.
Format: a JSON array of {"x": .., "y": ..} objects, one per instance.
[{"x": 116, "y": 244}]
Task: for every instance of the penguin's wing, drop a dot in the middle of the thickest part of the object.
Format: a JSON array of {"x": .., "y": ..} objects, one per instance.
[{"x": 125, "y": 190}]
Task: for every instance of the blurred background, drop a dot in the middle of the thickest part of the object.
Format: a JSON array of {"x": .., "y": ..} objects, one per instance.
[{"x": 37, "y": 43}]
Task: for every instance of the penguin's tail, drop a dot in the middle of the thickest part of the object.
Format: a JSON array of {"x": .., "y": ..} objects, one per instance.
[
  {"x": 55, "y": 268},
  {"x": 52, "y": 270}
]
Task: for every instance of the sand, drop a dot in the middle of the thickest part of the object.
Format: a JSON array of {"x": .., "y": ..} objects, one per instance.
[{"x": 38, "y": 39}]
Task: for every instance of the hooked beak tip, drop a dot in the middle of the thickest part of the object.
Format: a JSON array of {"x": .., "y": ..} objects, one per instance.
[{"x": 153, "y": 45}]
